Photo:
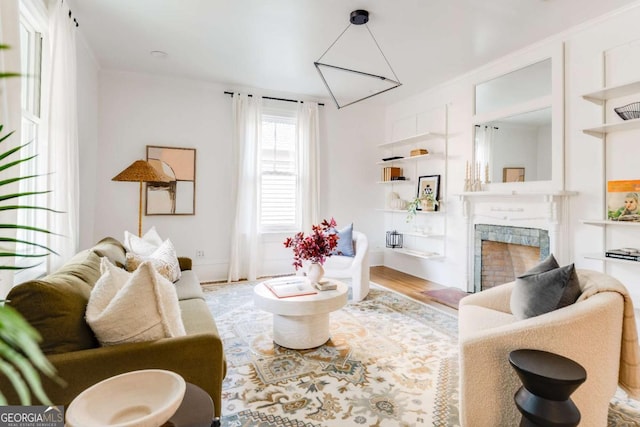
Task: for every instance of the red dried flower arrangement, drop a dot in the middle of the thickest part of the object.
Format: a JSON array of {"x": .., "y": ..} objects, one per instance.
[{"x": 317, "y": 246}]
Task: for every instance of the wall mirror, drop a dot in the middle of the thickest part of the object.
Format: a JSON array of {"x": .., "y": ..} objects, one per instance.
[
  {"x": 518, "y": 129},
  {"x": 522, "y": 141}
]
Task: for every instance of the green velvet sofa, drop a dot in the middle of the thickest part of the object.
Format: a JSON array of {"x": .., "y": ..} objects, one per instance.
[{"x": 55, "y": 305}]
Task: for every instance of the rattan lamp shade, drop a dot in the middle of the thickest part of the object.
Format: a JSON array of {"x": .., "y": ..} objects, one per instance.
[{"x": 141, "y": 171}]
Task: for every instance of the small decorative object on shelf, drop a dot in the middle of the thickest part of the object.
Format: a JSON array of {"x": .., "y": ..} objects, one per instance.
[
  {"x": 394, "y": 239},
  {"x": 388, "y": 159},
  {"x": 630, "y": 254},
  {"x": 473, "y": 177},
  {"x": 622, "y": 200},
  {"x": 417, "y": 204},
  {"x": 629, "y": 111},
  {"x": 419, "y": 152},
  {"x": 391, "y": 172}
]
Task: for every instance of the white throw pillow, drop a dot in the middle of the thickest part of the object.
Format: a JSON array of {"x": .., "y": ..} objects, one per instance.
[
  {"x": 133, "y": 307},
  {"x": 164, "y": 259},
  {"x": 144, "y": 245}
]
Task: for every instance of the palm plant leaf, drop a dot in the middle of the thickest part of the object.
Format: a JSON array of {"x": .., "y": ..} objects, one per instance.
[
  {"x": 14, "y": 207},
  {"x": 24, "y": 242},
  {"x": 16, "y": 381},
  {"x": 16, "y": 195}
]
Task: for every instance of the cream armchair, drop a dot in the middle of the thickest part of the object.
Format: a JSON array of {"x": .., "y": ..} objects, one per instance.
[
  {"x": 356, "y": 268},
  {"x": 587, "y": 331}
]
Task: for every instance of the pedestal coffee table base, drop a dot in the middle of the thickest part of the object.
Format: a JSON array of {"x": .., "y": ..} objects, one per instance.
[
  {"x": 301, "y": 322},
  {"x": 300, "y": 332}
]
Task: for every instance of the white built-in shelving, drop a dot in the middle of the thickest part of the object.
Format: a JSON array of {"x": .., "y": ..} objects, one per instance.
[
  {"x": 425, "y": 136},
  {"x": 418, "y": 244},
  {"x": 600, "y": 97},
  {"x": 417, "y": 253}
]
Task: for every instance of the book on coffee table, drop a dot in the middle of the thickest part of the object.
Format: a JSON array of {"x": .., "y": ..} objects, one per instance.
[
  {"x": 326, "y": 285},
  {"x": 290, "y": 287}
]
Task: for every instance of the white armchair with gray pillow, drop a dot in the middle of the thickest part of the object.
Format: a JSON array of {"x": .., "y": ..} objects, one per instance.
[
  {"x": 353, "y": 264},
  {"x": 588, "y": 331}
]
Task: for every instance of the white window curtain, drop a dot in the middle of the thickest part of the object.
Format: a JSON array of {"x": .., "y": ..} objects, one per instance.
[
  {"x": 484, "y": 143},
  {"x": 63, "y": 136},
  {"x": 309, "y": 140},
  {"x": 246, "y": 120}
]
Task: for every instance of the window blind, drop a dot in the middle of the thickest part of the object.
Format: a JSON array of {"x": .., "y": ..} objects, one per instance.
[{"x": 278, "y": 174}]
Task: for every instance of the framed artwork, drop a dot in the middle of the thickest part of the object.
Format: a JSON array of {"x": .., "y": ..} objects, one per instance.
[
  {"x": 622, "y": 200},
  {"x": 512, "y": 174},
  {"x": 429, "y": 184},
  {"x": 178, "y": 196}
]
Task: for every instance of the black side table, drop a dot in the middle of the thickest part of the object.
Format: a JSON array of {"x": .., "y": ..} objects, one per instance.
[
  {"x": 548, "y": 380},
  {"x": 196, "y": 410}
]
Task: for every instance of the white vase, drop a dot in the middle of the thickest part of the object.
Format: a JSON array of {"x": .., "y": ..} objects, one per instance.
[{"x": 315, "y": 272}]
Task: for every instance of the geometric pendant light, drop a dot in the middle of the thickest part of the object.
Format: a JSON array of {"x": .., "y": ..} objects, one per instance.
[{"x": 354, "y": 67}]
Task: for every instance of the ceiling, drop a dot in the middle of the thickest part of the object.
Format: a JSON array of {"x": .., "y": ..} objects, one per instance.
[{"x": 271, "y": 45}]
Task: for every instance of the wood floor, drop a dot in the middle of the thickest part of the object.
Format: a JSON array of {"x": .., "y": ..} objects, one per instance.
[{"x": 408, "y": 285}]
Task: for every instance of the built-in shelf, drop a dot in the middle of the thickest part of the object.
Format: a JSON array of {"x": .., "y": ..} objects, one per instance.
[
  {"x": 425, "y": 235},
  {"x": 602, "y": 257},
  {"x": 604, "y": 129},
  {"x": 412, "y": 139},
  {"x": 417, "y": 254},
  {"x": 603, "y": 222},
  {"x": 612, "y": 92},
  {"x": 411, "y": 158},
  {"x": 397, "y": 181}
]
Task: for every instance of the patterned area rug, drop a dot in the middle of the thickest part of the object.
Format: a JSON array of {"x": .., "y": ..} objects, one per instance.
[{"x": 391, "y": 361}]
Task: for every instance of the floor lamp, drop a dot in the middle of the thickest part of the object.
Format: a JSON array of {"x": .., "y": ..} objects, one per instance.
[{"x": 140, "y": 171}]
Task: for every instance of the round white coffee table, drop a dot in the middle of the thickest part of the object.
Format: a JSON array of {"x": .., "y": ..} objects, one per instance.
[{"x": 301, "y": 322}]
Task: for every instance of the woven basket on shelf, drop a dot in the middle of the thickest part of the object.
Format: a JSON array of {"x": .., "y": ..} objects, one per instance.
[{"x": 628, "y": 112}]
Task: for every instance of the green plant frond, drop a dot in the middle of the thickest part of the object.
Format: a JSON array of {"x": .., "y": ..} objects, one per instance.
[
  {"x": 5, "y": 137},
  {"x": 17, "y": 162},
  {"x": 29, "y": 373},
  {"x": 16, "y": 195},
  {"x": 16, "y": 325},
  {"x": 13, "y": 207},
  {"x": 12, "y": 240},
  {"x": 8, "y": 254},
  {"x": 6, "y": 75},
  {"x": 13, "y": 267},
  {"x": 26, "y": 227},
  {"x": 10, "y": 151},
  {"x": 4, "y": 46},
  {"x": 20, "y": 178},
  {"x": 16, "y": 380},
  {"x": 24, "y": 337}
]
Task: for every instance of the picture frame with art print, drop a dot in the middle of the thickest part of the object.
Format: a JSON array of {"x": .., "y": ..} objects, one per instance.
[
  {"x": 429, "y": 184},
  {"x": 178, "y": 196}
]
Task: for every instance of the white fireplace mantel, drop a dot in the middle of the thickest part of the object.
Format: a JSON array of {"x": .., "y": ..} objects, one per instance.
[{"x": 547, "y": 210}]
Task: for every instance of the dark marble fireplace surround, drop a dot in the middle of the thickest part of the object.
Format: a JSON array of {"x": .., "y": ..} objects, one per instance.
[{"x": 506, "y": 234}]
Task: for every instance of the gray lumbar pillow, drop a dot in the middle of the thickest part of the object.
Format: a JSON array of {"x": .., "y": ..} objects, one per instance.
[{"x": 544, "y": 288}]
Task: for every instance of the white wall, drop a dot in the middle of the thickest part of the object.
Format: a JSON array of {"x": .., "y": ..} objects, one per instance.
[{"x": 136, "y": 110}]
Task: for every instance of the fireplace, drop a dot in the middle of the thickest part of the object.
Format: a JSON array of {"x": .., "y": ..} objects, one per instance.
[{"x": 503, "y": 252}]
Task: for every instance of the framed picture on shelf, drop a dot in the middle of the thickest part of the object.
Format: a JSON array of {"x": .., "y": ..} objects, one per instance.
[
  {"x": 512, "y": 174},
  {"x": 429, "y": 184},
  {"x": 622, "y": 200},
  {"x": 178, "y": 196}
]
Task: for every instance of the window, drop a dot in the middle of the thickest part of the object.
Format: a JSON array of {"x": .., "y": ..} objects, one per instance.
[
  {"x": 279, "y": 179},
  {"x": 32, "y": 134}
]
